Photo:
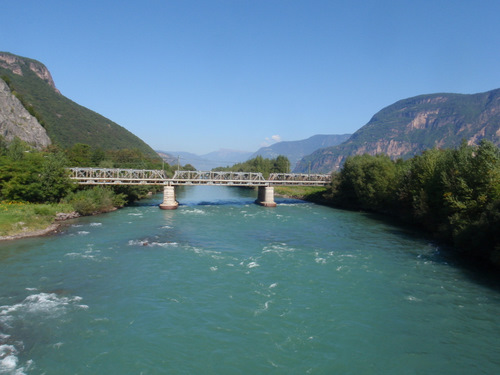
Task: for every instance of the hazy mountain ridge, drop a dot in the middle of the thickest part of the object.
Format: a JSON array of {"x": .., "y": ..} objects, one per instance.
[
  {"x": 205, "y": 162},
  {"x": 410, "y": 126},
  {"x": 296, "y": 150},
  {"x": 65, "y": 121}
]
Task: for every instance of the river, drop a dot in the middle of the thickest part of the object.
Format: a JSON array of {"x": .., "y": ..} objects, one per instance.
[{"x": 223, "y": 286}]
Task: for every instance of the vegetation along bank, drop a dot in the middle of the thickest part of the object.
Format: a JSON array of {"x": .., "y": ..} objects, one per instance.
[
  {"x": 35, "y": 189},
  {"x": 454, "y": 194}
]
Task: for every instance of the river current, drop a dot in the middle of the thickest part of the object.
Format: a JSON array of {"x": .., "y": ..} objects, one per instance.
[{"x": 223, "y": 286}]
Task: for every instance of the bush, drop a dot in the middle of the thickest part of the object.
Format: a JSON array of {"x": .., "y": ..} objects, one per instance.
[
  {"x": 368, "y": 182},
  {"x": 97, "y": 199}
]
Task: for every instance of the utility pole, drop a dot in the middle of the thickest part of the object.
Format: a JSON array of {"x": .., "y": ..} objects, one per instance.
[{"x": 178, "y": 162}]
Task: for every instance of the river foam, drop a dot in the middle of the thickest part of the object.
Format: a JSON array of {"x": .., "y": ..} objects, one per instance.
[
  {"x": 35, "y": 311},
  {"x": 293, "y": 289}
]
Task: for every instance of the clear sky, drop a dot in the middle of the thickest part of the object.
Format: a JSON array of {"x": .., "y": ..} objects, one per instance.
[{"x": 202, "y": 75}]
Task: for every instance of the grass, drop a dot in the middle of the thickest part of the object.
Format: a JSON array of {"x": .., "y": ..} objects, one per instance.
[
  {"x": 19, "y": 217},
  {"x": 299, "y": 192}
]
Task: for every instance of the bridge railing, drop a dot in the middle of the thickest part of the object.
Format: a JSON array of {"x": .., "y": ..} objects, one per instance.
[
  {"x": 117, "y": 176},
  {"x": 299, "y": 179},
  {"x": 217, "y": 178}
]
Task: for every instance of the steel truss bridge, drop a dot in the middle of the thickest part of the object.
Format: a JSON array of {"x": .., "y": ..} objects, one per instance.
[{"x": 114, "y": 176}]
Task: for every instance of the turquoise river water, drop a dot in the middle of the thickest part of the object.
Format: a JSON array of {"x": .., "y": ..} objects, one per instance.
[{"x": 223, "y": 286}]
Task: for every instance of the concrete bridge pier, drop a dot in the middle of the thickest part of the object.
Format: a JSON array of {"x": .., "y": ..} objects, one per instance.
[
  {"x": 169, "y": 202},
  {"x": 265, "y": 196}
]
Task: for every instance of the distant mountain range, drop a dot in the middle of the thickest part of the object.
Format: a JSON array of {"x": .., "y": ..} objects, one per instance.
[
  {"x": 401, "y": 130},
  {"x": 64, "y": 121},
  {"x": 293, "y": 150},
  {"x": 410, "y": 126},
  {"x": 296, "y": 150},
  {"x": 205, "y": 162}
]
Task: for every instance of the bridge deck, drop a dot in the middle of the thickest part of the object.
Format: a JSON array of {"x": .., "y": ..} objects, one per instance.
[{"x": 115, "y": 176}]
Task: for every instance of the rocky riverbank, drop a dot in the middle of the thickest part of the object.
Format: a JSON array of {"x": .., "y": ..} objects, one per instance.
[{"x": 25, "y": 232}]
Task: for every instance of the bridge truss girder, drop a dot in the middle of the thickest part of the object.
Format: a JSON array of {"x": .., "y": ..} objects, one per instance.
[{"x": 115, "y": 176}]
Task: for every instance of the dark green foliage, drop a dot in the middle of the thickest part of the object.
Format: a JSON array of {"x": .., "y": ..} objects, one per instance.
[
  {"x": 33, "y": 176},
  {"x": 134, "y": 193},
  {"x": 83, "y": 155},
  {"x": 54, "y": 178},
  {"x": 94, "y": 200},
  {"x": 454, "y": 193},
  {"x": 19, "y": 178},
  {"x": 28, "y": 175},
  {"x": 259, "y": 164},
  {"x": 368, "y": 182},
  {"x": 80, "y": 155}
]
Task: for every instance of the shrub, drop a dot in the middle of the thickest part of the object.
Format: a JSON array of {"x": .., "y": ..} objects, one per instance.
[{"x": 97, "y": 199}]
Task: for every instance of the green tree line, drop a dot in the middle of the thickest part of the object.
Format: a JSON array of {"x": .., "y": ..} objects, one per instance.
[
  {"x": 30, "y": 175},
  {"x": 452, "y": 193},
  {"x": 280, "y": 164}
]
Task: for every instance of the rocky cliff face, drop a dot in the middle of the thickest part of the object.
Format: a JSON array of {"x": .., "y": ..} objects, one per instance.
[
  {"x": 15, "y": 121},
  {"x": 67, "y": 123},
  {"x": 413, "y": 125},
  {"x": 14, "y": 64}
]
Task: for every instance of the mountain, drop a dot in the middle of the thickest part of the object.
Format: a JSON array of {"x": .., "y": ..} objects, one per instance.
[
  {"x": 206, "y": 162},
  {"x": 410, "y": 126},
  {"x": 16, "y": 121},
  {"x": 296, "y": 150},
  {"x": 65, "y": 121},
  {"x": 226, "y": 157}
]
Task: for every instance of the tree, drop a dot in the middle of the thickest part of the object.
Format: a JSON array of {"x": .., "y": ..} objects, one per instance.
[
  {"x": 17, "y": 149},
  {"x": 420, "y": 191},
  {"x": 368, "y": 182},
  {"x": 80, "y": 155},
  {"x": 20, "y": 179},
  {"x": 471, "y": 182},
  {"x": 281, "y": 165},
  {"x": 261, "y": 165},
  {"x": 54, "y": 178}
]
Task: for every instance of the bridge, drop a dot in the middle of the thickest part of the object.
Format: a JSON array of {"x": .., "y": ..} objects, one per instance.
[{"x": 141, "y": 177}]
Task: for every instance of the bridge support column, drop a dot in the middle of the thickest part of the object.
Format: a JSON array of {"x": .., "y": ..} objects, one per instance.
[
  {"x": 169, "y": 202},
  {"x": 266, "y": 196}
]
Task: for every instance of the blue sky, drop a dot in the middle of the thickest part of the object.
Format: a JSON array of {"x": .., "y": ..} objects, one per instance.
[{"x": 198, "y": 76}]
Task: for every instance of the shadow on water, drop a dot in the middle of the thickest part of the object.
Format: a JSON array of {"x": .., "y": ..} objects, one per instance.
[{"x": 476, "y": 270}]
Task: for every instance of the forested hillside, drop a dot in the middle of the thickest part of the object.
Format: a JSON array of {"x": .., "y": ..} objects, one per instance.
[
  {"x": 66, "y": 122},
  {"x": 296, "y": 150},
  {"x": 410, "y": 126}
]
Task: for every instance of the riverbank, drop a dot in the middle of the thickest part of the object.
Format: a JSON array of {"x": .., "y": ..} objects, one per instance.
[
  {"x": 24, "y": 220},
  {"x": 310, "y": 193},
  {"x": 21, "y": 219},
  {"x": 52, "y": 228}
]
